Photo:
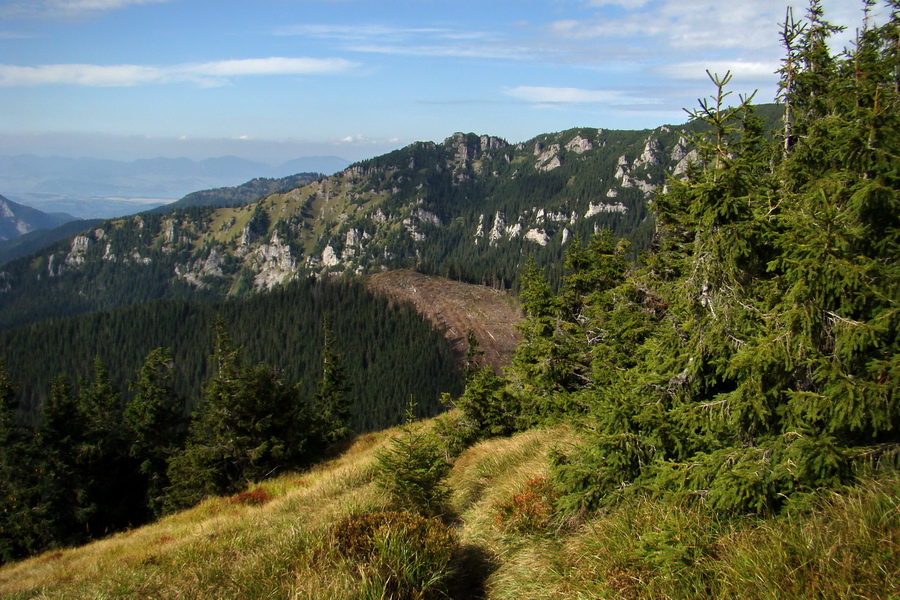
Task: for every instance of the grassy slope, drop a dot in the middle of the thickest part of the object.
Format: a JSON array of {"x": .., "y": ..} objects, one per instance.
[{"x": 847, "y": 547}]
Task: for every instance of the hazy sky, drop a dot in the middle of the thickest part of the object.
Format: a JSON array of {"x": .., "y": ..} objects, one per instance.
[{"x": 278, "y": 79}]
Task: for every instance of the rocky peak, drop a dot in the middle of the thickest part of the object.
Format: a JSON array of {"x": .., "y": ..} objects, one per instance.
[
  {"x": 492, "y": 143},
  {"x": 579, "y": 145},
  {"x": 547, "y": 157},
  {"x": 650, "y": 154}
]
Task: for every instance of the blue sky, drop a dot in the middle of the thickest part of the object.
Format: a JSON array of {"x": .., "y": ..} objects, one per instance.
[{"x": 273, "y": 80}]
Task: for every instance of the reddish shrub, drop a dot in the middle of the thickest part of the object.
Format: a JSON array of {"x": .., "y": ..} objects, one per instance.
[
  {"x": 254, "y": 497},
  {"x": 531, "y": 510}
]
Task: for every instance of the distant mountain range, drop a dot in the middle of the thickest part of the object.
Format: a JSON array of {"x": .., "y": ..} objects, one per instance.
[
  {"x": 90, "y": 187},
  {"x": 17, "y": 220}
]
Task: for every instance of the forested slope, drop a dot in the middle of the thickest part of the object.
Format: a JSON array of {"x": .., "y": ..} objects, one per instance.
[
  {"x": 110, "y": 419},
  {"x": 391, "y": 355}
]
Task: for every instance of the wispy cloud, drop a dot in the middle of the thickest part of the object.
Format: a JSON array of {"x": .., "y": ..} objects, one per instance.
[
  {"x": 66, "y": 8},
  {"x": 680, "y": 24},
  {"x": 359, "y": 32},
  {"x": 414, "y": 41},
  {"x": 446, "y": 50},
  {"x": 554, "y": 96},
  {"x": 274, "y": 65},
  {"x": 746, "y": 71},
  {"x": 204, "y": 74}
]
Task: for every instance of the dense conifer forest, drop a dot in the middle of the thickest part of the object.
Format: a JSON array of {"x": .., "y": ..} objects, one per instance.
[
  {"x": 390, "y": 353},
  {"x": 111, "y": 401}
]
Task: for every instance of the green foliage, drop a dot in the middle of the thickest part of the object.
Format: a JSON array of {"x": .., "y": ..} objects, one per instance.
[
  {"x": 388, "y": 351},
  {"x": 90, "y": 458},
  {"x": 486, "y": 408},
  {"x": 153, "y": 424},
  {"x": 71, "y": 479},
  {"x": 12, "y": 457},
  {"x": 413, "y": 470},
  {"x": 752, "y": 358},
  {"x": 251, "y": 425},
  {"x": 332, "y": 401}
]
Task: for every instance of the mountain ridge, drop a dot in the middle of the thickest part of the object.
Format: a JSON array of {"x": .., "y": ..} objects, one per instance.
[
  {"x": 475, "y": 208},
  {"x": 18, "y": 219}
]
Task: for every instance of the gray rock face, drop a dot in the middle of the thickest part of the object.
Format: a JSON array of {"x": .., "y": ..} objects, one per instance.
[
  {"x": 547, "y": 159},
  {"x": 579, "y": 145}
]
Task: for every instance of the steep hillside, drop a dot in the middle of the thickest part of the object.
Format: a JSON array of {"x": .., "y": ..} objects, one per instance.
[
  {"x": 17, "y": 220},
  {"x": 37, "y": 240},
  {"x": 389, "y": 354},
  {"x": 282, "y": 539},
  {"x": 240, "y": 195}
]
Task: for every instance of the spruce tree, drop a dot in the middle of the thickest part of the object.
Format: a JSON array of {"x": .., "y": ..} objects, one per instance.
[
  {"x": 252, "y": 424},
  {"x": 769, "y": 299},
  {"x": 412, "y": 469},
  {"x": 14, "y": 496},
  {"x": 332, "y": 399},
  {"x": 152, "y": 421}
]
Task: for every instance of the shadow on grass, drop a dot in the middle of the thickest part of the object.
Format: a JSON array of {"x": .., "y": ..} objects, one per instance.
[{"x": 472, "y": 567}]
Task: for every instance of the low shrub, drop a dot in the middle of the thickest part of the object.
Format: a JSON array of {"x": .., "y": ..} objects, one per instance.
[
  {"x": 529, "y": 511},
  {"x": 413, "y": 470},
  {"x": 398, "y": 555},
  {"x": 254, "y": 497}
]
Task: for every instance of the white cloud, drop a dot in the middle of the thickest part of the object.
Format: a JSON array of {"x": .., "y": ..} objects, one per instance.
[
  {"x": 683, "y": 24},
  {"x": 67, "y": 8},
  {"x": 275, "y": 65},
  {"x": 548, "y": 96},
  {"x": 447, "y": 51},
  {"x": 359, "y": 140},
  {"x": 742, "y": 71},
  {"x": 204, "y": 74},
  {"x": 413, "y": 41},
  {"x": 698, "y": 25},
  {"x": 359, "y": 32},
  {"x": 78, "y": 74},
  {"x": 88, "y": 5}
]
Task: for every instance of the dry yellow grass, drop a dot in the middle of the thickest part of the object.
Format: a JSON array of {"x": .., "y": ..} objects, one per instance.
[
  {"x": 218, "y": 548},
  {"x": 179, "y": 549},
  {"x": 222, "y": 549}
]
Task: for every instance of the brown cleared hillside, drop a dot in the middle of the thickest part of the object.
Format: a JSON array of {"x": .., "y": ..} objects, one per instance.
[{"x": 456, "y": 308}]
